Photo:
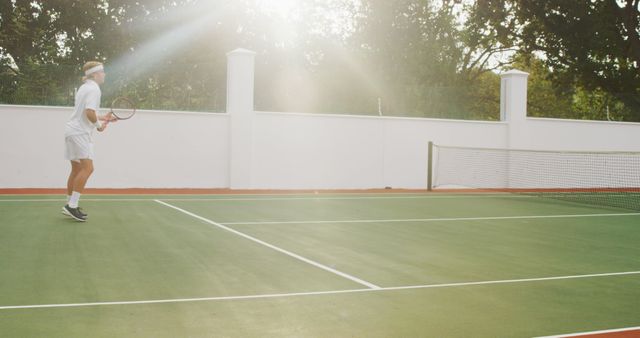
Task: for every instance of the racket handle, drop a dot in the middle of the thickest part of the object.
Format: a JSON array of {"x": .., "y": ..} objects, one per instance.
[{"x": 106, "y": 120}]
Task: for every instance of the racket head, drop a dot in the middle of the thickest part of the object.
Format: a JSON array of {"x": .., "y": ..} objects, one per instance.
[{"x": 122, "y": 108}]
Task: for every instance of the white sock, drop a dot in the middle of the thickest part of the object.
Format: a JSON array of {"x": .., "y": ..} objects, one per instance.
[
  {"x": 68, "y": 198},
  {"x": 75, "y": 198}
]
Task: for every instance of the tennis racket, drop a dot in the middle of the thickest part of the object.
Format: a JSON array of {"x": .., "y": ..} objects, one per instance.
[{"x": 121, "y": 109}]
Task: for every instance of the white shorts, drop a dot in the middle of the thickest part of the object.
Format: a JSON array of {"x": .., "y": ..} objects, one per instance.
[{"x": 78, "y": 147}]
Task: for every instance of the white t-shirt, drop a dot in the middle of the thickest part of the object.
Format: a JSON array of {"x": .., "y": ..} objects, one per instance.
[{"x": 87, "y": 97}]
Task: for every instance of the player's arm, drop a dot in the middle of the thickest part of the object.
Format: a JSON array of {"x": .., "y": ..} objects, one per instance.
[
  {"x": 108, "y": 117},
  {"x": 93, "y": 118}
]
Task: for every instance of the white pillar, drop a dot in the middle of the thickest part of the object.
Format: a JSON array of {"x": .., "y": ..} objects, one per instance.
[
  {"x": 513, "y": 95},
  {"x": 513, "y": 105},
  {"x": 513, "y": 110},
  {"x": 240, "y": 77}
]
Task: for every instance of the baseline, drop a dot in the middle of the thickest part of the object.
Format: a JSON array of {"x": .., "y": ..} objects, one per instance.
[{"x": 334, "y": 292}]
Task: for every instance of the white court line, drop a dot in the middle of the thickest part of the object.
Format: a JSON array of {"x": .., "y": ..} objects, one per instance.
[
  {"x": 309, "y": 198},
  {"x": 594, "y": 332},
  {"x": 35, "y": 200},
  {"x": 334, "y": 292},
  {"x": 435, "y": 219},
  {"x": 319, "y": 197},
  {"x": 83, "y": 200},
  {"x": 271, "y": 246}
]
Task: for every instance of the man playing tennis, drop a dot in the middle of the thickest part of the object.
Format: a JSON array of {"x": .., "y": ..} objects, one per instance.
[{"x": 79, "y": 147}]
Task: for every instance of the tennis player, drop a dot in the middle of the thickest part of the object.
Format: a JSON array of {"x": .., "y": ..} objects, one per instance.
[{"x": 79, "y": 147}]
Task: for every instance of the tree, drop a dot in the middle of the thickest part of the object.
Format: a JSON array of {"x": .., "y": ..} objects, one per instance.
[
  {"x": 544, "y": 99},
  {"x": 43, "y": 45},
  {"x": 594, "y": 45},
  {"x": 420, "y": 57},
  {"x": 548, "y": 99}
]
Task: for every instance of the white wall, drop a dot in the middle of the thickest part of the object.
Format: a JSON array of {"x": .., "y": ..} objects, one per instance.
[
  {"x": 559, "y": 134},
  {"x": 152, "y": 150},
  {"x": 288, "y": 150},
  {"x": 245, "y": 149},
  {"x": 314, "y": 151}
]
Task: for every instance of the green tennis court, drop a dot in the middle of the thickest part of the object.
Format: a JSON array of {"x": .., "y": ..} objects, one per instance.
[{"x": 317, "y": 265}]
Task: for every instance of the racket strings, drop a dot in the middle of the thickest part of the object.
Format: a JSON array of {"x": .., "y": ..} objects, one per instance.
[{"x": 122, "y": 108}]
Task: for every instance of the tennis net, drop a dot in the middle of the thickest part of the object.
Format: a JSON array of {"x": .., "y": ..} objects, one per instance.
[{"x": 602, "y": 178}]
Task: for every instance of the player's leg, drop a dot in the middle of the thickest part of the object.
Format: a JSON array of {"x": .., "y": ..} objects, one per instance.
[
  {"x": 75, "y": 169},
  {"x": 77, "y": 187},
  {"x": 79, "y": 182},
  {"x": 79, "y": 152},
  {"x": 81, "y": 178}
]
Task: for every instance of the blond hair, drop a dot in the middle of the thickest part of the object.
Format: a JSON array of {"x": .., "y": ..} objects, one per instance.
[{"x": 88, "y": 66}]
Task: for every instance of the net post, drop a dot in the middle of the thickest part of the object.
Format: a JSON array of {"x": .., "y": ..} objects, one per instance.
[{"x": 430, "y": 167}]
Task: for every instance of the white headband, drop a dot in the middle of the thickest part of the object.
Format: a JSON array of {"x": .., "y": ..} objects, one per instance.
[{"x": 97, "y": 68}]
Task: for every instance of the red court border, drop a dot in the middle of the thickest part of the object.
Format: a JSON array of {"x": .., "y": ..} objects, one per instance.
[{"x": 621, "y": 334}]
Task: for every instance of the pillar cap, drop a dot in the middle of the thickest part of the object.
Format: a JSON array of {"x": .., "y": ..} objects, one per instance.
[
  {"x": 240, "y": 51},
  {"x": 514, "y": 72}
]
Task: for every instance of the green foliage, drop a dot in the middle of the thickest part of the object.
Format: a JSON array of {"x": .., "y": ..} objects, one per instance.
[
  {"x": 593, "y": 46},
  {"x": 404, "y": 58},
  {"x": 407, "y": 56},
  {"x": 421, "y": 58},
  {"x": 47, "y": 84},
  {"x": 546, "y": 98},
  {"x": 600, "y": 105},
  {"x": 484, "y": 97}
]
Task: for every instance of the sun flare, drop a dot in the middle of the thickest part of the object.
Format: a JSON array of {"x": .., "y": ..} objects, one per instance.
[{"x": 283, "y": 8}]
